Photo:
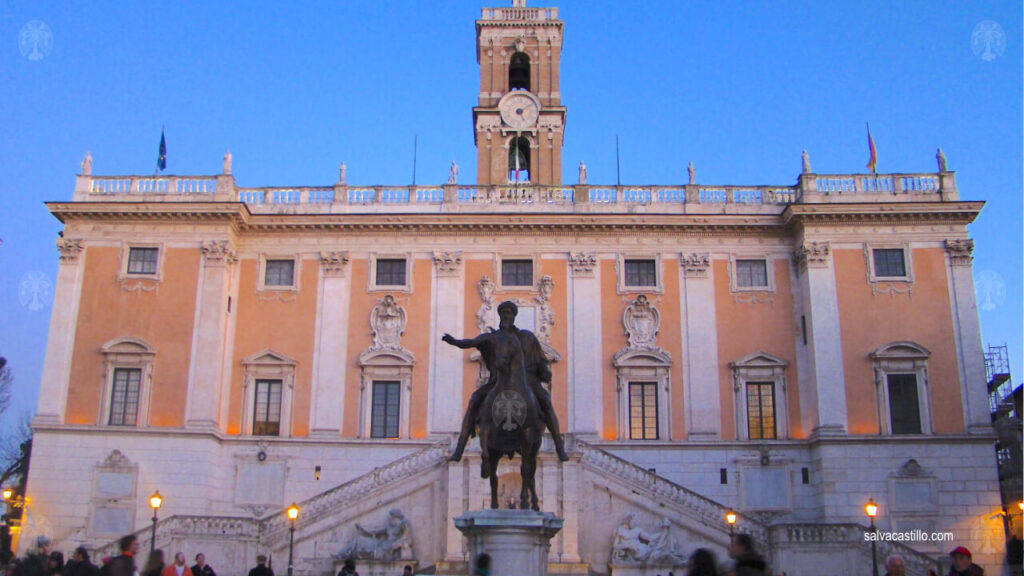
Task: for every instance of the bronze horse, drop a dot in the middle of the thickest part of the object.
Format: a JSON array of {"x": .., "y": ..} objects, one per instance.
[{"x": 509, "y": 418}]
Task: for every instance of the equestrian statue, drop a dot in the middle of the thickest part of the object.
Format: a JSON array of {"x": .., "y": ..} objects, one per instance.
[{"x": 510, "y": 411}]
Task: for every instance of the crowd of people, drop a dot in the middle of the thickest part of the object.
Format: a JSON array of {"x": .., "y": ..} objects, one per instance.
[
  {"x": 43, "y": 561},
  {"x": 744, "y": 560}
]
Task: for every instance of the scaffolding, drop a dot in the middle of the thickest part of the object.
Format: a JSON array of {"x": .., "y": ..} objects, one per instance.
[{"x": 997, "y": 373}]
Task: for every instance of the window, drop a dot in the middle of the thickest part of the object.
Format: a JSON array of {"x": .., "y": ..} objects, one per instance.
[
  {"x": 124, "y": 397},
  {"x": 390, "y": 272},
  {"x": 517, "y": 272},
  {"x": 142, "y": 260},
  {"x": 268, "y": 383},
  {"x": 751, "y": 273},
  {"x": 519, "y": 72},
  {"x": 759, "y": 397},
  {"x": 904, "y": 412},
  {"x": 266, "y": 418},
  {"x": 519, "y": 160},
  {"x": 643, "y": 410},
  {"x": 641, "y": 273},
  {"x": 385, "y": 412},
  {"x": 279, "y": 273},
  {"x": 128, "y": 370},
  {"x": 901, "y": 379},
  {"x": 761, "y": 410},
  {"x": 889, "y": 263}
]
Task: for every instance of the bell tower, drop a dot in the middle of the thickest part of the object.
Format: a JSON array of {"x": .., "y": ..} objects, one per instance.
[{"x": 519, "y": 117}]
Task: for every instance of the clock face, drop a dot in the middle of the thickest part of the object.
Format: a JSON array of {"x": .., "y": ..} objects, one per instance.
[{"x": 519, "y": 110}]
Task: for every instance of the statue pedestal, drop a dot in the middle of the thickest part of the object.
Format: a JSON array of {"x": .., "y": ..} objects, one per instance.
[
  {"x": 517, "y": 540},
  {"x": 675, "y": 568},
  {"x": 378, "y": 567}
]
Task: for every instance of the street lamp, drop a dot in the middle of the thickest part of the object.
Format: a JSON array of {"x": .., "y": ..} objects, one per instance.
[
  {"x": 7, "y": 493},
  {"x": 293, "y": 513},
  {"x": 872, "y": 510},
  {"x": 154, "y": 502},
  {"x": 730, "y": 518}
]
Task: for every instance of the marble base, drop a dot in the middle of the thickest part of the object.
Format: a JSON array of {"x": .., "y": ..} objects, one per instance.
[
  {"x": 378, "y": 567},
  {"x": 517, "y": 540},
  {"x": 647, "y": 569}
]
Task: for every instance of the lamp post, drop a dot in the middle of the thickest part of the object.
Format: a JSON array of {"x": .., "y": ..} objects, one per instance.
[
  {"x": 293, "y": 513},
  {"x": 872, "y": 510},
  {"x": 730, "y": 519},
  {"x": 154, "y": 502}
]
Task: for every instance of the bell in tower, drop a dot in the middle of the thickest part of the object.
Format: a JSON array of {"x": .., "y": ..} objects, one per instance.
[{"x": 519, "y": 115}]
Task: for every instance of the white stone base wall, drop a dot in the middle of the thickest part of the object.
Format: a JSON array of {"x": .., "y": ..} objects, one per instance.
[{"x": 935, "y": 484}]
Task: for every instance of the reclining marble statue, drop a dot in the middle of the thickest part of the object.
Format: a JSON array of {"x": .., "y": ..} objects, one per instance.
[
  {"x": 392, "y": 541},
  {"x": 510, "y": 411},
  {"x": 631, "y": 545}
]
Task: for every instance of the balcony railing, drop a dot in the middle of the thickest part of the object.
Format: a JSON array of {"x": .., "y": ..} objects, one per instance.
[{"x": 696, "y": 198}]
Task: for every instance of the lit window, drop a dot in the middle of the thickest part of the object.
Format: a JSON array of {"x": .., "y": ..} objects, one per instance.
[
  {"x": 279, "y": 273},
  {"x": 643, "y": 410},
  {"x": 889, "y": 263},
  {"x": 390, "y": 272},
  {"x": 517, "y": 273},
  {"x": 751, "y": 273},
  {"x": 641, "y": 273},
  {"x": 142, "y": 260},
  {"x": 761, "y": 410},
  {"x": 124, "y": 397},
  {"x": 266, "y": 418},
  {"x": 385, "y": 411}
]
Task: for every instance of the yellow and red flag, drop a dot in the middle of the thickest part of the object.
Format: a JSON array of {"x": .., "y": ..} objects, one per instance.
[{"x": 873, "y": 160}]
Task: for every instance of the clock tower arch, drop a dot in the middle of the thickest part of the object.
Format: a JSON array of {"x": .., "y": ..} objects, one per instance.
[{"x": 519, "y": 50}]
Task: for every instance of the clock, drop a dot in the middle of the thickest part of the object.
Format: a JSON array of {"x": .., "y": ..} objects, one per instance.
[{"x": 519, "y": 110}]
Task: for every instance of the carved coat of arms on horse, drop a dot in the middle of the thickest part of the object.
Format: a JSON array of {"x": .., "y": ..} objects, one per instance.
[{"x": 510, "y": 411}]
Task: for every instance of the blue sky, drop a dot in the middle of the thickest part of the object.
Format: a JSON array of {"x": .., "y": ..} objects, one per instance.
[{"x": 293, "y": 89}]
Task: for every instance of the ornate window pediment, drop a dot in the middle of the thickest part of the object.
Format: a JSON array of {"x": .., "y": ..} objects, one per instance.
[
  {"x": 643, "y": 375},
  {"x": 902, "y": 391},
  {"x": 127, "y": 381},
  {"x": 759, "y": 397},
  {"x": 386, "y": 374},
  {"x": 267, "y": 368}
]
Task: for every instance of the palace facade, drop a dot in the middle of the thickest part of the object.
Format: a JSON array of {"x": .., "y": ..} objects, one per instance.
[{"x": 788, "y": 352}]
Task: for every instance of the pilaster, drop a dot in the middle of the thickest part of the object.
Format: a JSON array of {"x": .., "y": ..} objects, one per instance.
[
  {"x": 967, "y": 331},
  {"x": 700, "y": 345},
  {"x": 60, "y": 343},
  {"x": 330, "y": 353},
  {"x": 824, "y": 339},
  {"x": 445, "y": 392},
  {"x": 585, "y": 338},
  {"x": 209, "y": 336}
]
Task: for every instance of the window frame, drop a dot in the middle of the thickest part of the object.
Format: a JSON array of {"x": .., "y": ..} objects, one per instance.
[
  {"x": 373, "y": 409},
  {"x": 500, "y": 285},
  {"x": 908, "y": 262},
  {"x": 113, "y": 397},
  {"x": 125, "y": 259},
  {"x": 902, "y": 357},
  {"x": 391, "y": 365},
  {"x": 734, "y": 278},
  {"x": 527, "y": 261},
  {"x": 267, "y": 365},
  {"x": 371, "y": 279},
  {"x": 647, "y": 365},
  {"x": 760, "y": 367},
  {"x": 774, "y": 416},
  {"x": 653, "y": 384},
  {"x": 262, "y": 285},
  {"x": 127, "y": 353},
  {"x": 256, "y": 404},
  {"x": 620, "y": 272}
]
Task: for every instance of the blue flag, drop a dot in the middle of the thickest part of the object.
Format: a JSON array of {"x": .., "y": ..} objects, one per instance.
[{"x": 161, "y": 160}]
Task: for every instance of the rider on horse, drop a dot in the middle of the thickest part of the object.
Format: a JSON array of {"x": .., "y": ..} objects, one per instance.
[{"x": 537, "y": 371}]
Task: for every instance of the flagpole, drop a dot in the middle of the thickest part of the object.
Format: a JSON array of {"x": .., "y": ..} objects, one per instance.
[
  {"x": 415, "y": 146},
  {"x": 618, "y": 176}
]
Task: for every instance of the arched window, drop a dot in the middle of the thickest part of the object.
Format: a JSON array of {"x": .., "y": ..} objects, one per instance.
[
  {"x": 519, "y": 72},
  {"x": 519, "y": 160}
]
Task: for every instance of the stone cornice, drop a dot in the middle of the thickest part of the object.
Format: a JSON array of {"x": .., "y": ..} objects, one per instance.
[
  {"x": 233, "y": 212},
  {"x": 897, "y": 212}
]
